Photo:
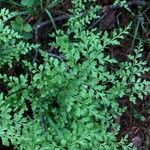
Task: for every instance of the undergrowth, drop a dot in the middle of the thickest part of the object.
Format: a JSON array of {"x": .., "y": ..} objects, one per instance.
[{"x": 69, "y": 102}]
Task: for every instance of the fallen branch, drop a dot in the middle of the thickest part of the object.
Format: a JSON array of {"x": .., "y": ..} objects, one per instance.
[
  {"x": 131, "y": 3},
  {"x": 45, "y": 23}
]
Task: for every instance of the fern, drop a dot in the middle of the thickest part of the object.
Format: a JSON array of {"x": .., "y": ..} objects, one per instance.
[
  {"x": 11, "y": 44},
  {"x": 73, "y": 101}
]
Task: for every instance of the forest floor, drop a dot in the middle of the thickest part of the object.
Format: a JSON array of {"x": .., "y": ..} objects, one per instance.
[{"x": 136, "y": 126}]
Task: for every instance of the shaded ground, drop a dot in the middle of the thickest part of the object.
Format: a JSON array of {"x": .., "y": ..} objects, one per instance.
[{"x": 137, "y": 127}]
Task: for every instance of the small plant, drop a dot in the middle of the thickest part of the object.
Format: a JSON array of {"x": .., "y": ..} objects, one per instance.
[
  {"x": 11, "y": 43},
  {"x": 35, "y": 9},
  {"x": 24, "y": 29},
  {"x": 72, "y": 102}
]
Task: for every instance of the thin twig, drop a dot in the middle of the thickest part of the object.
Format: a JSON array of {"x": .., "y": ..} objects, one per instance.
[
  {"x": 36, "y": 40},
  {"x": 56, "y": 56},
  {"x": 45, "y": 23}
]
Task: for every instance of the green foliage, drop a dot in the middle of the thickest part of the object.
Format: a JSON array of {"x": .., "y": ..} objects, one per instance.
[
  {"x": 27, "y": 3},
  {"x": 24, "y": 29},
  {"x": 32, "y": 3},
  {"x": 35, "y": 8},
  {"x": 11, "y": 43},
  {"x": 131, "y": 72},
  {"x": 73, "y": 102}
]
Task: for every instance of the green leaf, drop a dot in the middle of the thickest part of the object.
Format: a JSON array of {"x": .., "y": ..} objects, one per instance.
[
  {"x": 18, "y": 24},
  {"x": 5, "y": 141},
  {"x": 27, "y": 28},
  {"x": 26, "y": 35},
  {"x": 27, "y": 3},
  {"x": 138, "y": 116}
]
